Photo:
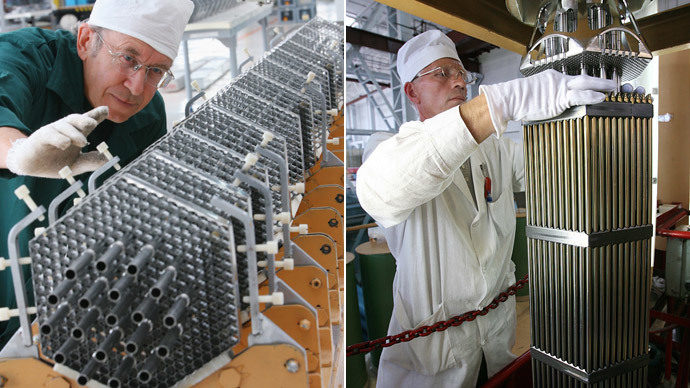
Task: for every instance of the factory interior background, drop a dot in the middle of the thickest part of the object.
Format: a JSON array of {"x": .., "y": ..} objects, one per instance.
[{"x": 268, "y": 117}]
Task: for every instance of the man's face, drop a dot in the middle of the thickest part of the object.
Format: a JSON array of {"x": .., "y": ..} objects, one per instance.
[
  {"x": 434, "y": 93},
  {"x": 104, "y": 84}
]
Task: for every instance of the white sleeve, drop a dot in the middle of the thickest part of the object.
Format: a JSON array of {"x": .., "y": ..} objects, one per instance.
[{"x": 413, "y": 167}]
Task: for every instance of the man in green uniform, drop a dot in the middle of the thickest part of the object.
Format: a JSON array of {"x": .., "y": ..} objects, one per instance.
[{"x": 62, "y": 94}]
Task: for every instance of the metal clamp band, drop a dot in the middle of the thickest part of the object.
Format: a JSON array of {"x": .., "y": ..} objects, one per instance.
[
  {"x": 592, "y": 240},
  {"x": 595, "y": 376}
]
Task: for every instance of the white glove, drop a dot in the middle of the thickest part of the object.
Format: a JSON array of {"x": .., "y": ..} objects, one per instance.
[
  {"x": 541, "y": 96},
  {"x": 57, "y": 145}
]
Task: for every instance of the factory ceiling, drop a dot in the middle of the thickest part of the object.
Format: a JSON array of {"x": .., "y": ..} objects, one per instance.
[{"x": 490, "y": 21}]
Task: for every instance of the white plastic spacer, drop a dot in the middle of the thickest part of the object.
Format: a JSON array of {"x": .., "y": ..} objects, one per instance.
[
  {"x": 259, "y": 217},
  {"x": 271, "y": 247},
  {"x": 103, "y": 148},
  {"x": 22, "y": 192},
  {"x": 283, "y": 217},
  {"x": 335, "y": 141},
  {"x": 66, "y": 173},
  {"x": 334, "y": 44},
  {"x": 39, "y": 231},
  {"x": 300, "y": 229},
  {"x": 266, "y": 138},
  {"x": 195, "y": 86},
  {"x": 249, "y": 160},
  {"x": 286, "y": 264},
  {"x": 310, "y": 76},
  {"x": 332, "y": 112},
  {"x": 276, "y": 30},
  {"x": 4, "y": 263},
  {"x": 6, "y": 313},
  {"x": 277, "y": 298},
  {"x": 76, "y": 201},
  {"x": 297, "y": 188}
]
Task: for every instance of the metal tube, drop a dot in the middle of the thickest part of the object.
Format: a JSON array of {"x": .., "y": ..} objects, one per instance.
[
  {"x": 614, "y": 172},
  {"x": 93, "y": 293},
  {"x": 557, "y": 300},
  {"x": 106, "y": 347},
  {"x": 543, "y": 207},
  {"x": 146, "y": 310},
  {"x": 137, "y": 338},
  {"x": 119, "y": 311},
  {"x": 60, "y": 291},
  {"x": 549, "y": 181},
  {"x": 606, "y": 321},
  {"x": 140, "y": 259},
  {"x": 120, "y": 287},
  {"x": 608, "y": 171},
  {"x": 106, "y": 259},
  {"x": 164, "y": 349},
  {"x": 573, "y": 174},
  {"x": 567, "y": 176},
  {"x": 123, "y": 370},
  {"x": 163, "y": 282},
  {"x": 78, "y": 266},
  {"x": 594, "y": 158},
  {"x": 620, "y": 172},
  {"x": 594, "y": 272},
  {"x": 174, "y": 314},
  {"x": 87, "y": 372},
  {"x": 601, "y": 202},
  {"x": 65, "y": 350},
  {"x": 580, "y": 177},
  {"x": 85, "y": 323},
  {"x": 529, "y": 160},
  {"x": 587, "y": 178},
  {"x": 558, "y": 176},
  {"x": 57, "y": 317},
  {"x": 150, "y": 367},
  {"x": 638, "y": 172}
]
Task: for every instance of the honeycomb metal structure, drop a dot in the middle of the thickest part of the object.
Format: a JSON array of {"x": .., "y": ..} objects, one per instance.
[{"x": 158, "y": 211}]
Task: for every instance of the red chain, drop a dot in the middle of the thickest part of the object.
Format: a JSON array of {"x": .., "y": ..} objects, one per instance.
[{"x": 405, "y": 336}]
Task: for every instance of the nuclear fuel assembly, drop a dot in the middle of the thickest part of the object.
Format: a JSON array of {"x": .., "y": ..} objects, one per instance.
[{"x": 589, "y": 227}]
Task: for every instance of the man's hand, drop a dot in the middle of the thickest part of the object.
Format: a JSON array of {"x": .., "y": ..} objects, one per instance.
[
  {"x": 57, "y": 145},
  {"x": 541, "y": 96}
]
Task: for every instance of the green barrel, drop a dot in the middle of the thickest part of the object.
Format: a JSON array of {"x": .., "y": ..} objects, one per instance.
[
  {"x": 356, "y": 368},
  {"x": 520, "y": 251},
  {"x": 377, "y": 267}
]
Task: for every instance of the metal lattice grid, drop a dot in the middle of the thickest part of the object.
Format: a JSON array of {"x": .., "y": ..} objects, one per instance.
[
  {"x": 289, "y": 100},
  {"x": 275, "y": 119},
  {"x": 294, "y": 80},
  {"x": 238, "y": 134},
  {"x": 183, "y": 236},
  {"x": 206, "y": 8},
  {"x": 297, "y": 57},
  {"x": 296, "y": 72},
  {"x": 328, "y": 48}
]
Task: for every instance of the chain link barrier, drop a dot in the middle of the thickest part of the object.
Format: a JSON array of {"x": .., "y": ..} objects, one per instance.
[{"x": 405, "y": 336}]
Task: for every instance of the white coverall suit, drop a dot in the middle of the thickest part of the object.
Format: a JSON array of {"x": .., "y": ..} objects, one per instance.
[{"x": 451, "y": 256}]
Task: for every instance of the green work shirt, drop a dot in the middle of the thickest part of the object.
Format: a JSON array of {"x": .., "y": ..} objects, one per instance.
[{"x": 41, "y": 81}]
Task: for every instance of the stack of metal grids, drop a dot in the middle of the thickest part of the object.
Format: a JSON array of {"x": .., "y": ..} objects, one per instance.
[
  {"x": 588, "y": 179},
  {"x": 141, "y": 283},
  {"x": 206, "y": 8}
]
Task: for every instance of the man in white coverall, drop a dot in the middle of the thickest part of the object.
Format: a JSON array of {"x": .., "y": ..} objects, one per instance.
[{"x": 452, "y": 243}]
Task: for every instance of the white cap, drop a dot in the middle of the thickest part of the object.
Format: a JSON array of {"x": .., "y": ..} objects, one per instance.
[
  {"x": 418, "y": 52},
  {"x": 158, "y": 23}
]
